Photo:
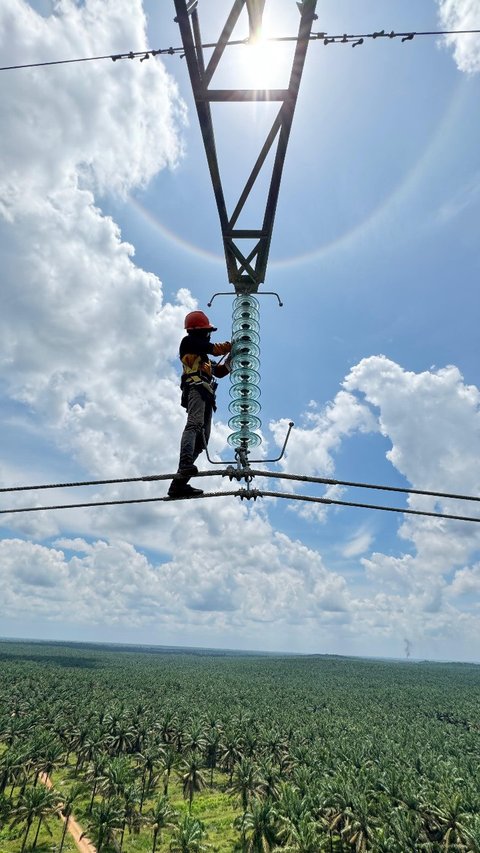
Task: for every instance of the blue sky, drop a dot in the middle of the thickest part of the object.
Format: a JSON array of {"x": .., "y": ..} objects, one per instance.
[{"x": 109, "y": 235}]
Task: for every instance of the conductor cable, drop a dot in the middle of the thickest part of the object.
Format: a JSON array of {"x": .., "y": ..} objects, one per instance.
[
  {"x": 248, "y": 494},
  {"x": 322, "y": 37},
  {"x": 240, "y": 474}
]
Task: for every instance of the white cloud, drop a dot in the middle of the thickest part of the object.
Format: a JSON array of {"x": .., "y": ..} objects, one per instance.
[
  {"x": 274, "y": 581},
  {"x": 432, "y": 419},
  {"x": 88, "y": 344},
  {"x": 433, "y": 422},
  {"x": 311, "y": 447},
  {"x": 359, "y": 543},
  {"x": 466, "y": 583},
  {"x": 109, "y": 125},
  {"x": 462, "y": 15}
]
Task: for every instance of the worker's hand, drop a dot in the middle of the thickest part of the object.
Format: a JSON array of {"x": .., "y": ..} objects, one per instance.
[{"x": 222, "y": 349}]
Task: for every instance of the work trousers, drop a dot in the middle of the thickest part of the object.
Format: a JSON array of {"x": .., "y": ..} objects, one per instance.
[{"x": 199, "y": 419}]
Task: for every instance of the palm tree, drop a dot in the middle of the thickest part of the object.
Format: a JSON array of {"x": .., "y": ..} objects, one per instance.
[
  {"x": 192, "y": 779},
  {"x": 35, "y": 802},
  {"x": 358, "y": 830},
  {"x": 259, "y": 827},
  {"x": 230, "y": 754},
  {"x": 122, "y": 738},
  {"x": 275, "y": 747},
  {"x": 5, "y": 809},
  {"x": 194, "y": 737},
  {"x": 52, "y": 755},
  {"x": 131, "y": 812},
  {"x": 187, "y": 836},
  {"x": 449, "y": 823},
  {"x": 245, "y": 781},
  {"x": 67, "y": 808},
  {"x": 116, "y": 777},
  {"x": 159, "y": 816},
  {"x": 335, "y": 809},
  {"x": 291, "y": 806},
  {"x": 106, "y": 817},
  {"x": 11, "y": 764},
  {"x": 212, "y": 748},
  {"x": 95, "y": 774},
  {"x": 269, "y": 780},
  {"x": 169, "y": 761},
  {"x": 167, "y": 727},
  {"x": 147, "y": 760},
  {"x": 303, "y": 837},
  {"x": 406, "y": 828}
]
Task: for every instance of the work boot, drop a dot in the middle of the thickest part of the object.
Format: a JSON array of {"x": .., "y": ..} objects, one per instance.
[
  {"x": 181, "y": 489},
  {"x": 186, "y": 471}
]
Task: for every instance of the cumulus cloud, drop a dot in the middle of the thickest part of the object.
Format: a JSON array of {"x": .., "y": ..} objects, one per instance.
[
  {"x": 311, "y": 447},
  {"x": 275, "y": 581},
  {"x": 431, "y": 420},
  {"x": 466, "y": 584},
  {"x": 462, "y": 15},
  {"x": 111, "y": 126},
  {"x": 88, "y": 343}
]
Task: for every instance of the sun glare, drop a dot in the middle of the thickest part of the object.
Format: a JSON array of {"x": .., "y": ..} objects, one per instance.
[{"x": 264, "y": 62}]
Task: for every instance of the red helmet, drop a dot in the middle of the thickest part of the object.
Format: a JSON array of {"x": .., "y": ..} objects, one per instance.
[{"x": 198, "y": 320}]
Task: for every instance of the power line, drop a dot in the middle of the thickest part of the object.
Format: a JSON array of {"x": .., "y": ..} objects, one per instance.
[
  {"x": 115, "y": 502},
  {"x": 246, "y": 494},
  {"x": 239, "y": 474},
  {"x": 73, "y": 485},
  {"x": 322, "y": 37},
  {"x": 330, "y": 482},
  {"x": 312, "y": 499}
]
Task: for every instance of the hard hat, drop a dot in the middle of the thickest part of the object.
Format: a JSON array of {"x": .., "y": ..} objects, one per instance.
[{"x": 198, "y": 320}]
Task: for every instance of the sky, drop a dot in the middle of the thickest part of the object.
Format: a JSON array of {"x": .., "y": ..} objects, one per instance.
[{"x": 109, "y": 235}]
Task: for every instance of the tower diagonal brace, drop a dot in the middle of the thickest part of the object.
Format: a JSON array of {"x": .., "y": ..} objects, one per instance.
[{"x": 246, "y": 269}]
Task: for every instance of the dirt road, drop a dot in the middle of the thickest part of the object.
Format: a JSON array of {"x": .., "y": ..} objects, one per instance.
[{"x": 83, "y": 845}]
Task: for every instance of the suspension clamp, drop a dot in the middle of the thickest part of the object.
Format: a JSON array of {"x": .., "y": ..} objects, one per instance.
[{"x": 249, "y": 494}]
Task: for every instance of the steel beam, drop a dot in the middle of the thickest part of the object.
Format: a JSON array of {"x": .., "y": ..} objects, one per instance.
[{"x": 245, "y": 272}]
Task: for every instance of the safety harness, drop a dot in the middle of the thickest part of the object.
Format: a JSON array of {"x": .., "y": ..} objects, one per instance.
[{"x": 201, "y": 380}]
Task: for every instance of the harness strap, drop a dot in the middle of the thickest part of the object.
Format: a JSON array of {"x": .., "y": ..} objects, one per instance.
[{"x": 186, "y": 377}]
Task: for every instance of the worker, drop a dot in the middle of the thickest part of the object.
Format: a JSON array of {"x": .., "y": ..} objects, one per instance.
[{"x": 198, "y": 387}]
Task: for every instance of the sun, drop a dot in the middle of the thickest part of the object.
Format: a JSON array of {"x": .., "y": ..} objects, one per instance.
[{"x": 262, "y": 62}]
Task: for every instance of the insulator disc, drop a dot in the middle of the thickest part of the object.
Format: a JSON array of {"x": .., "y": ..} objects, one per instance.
[
  {"x": 245, "y": 421},
  {"x": 240, "y": 348},
  {"x": 240, "y": 407},
  {"x": 246, "y": 315},
  {"x": 244, "y": 319},
  {"x": 243, "y": 392},
  {"x": 240, "y": 374},
  {"x": 246, "y": 335},
  {"x": 245, "y": 362},
  {"x": 246, "y": 301},
  {"x": 237, "y": 439}
]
